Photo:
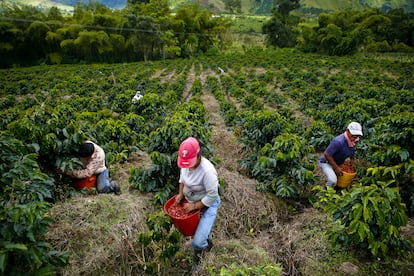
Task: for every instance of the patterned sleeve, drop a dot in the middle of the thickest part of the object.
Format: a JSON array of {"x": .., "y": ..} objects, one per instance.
[{"x": 90, "y": 170}]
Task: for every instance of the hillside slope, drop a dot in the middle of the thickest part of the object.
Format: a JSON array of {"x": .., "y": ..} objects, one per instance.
[
  {"x": 356, "y": 4},
  {"x": 264, "y": 7},
  {"x": 248, "y": 6}
]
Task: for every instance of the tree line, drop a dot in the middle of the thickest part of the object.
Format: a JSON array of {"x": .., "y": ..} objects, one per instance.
[
  {"x": 148, "y": 30},
  {"x": 342, "y": 32},
  {"x": 96, "y": 33}
]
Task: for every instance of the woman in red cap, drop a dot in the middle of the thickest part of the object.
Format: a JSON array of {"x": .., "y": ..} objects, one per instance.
[{"x": 199, "y": 185}]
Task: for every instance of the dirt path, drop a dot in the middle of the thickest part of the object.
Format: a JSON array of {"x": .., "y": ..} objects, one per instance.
[
  {"x": 240, "y": 191},
  {"x": 247, "y": 216},
  {"x": 190, "y": 79}
]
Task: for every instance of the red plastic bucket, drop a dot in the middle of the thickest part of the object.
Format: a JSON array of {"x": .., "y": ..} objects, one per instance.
[
  {"x": 186, "y": 225},
  {"x": 89, "y": 183}
]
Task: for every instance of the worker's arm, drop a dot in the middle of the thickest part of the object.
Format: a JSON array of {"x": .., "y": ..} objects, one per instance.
[
  {"x": 180, "y": 194},
  {"x": 331, "y": 161}
]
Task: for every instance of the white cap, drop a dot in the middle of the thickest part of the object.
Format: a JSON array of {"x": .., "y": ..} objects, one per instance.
[{"x": 355, "y": 129}]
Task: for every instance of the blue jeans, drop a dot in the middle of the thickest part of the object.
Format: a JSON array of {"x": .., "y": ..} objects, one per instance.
[
  {"x": 103, "y": 184},
  {"x": 207, "y": 219},
  {"x": 330, "y": 174}
]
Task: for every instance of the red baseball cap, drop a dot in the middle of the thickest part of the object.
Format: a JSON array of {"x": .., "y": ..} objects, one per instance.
[{"x": 187, "y": 153}]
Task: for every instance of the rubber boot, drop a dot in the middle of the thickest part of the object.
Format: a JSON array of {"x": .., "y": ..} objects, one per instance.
[
  {"x": 196, "y": 261},
  {"x": 209, "y": 246},
  {"x": 115, "y": 188}
]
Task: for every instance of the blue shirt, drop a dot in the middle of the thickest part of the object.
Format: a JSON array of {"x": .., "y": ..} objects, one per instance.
[{"x": 339, "y": 150}]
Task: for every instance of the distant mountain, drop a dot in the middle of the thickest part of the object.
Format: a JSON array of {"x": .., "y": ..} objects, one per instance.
[
  {"x": 256, "y": 6},
  {"x": 114, "y": 4},
  {"x": 316, "y": 6},
  {"x": 332, "y": 5}
]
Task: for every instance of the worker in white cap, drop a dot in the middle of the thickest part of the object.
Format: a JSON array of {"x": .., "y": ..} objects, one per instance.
[{"x": 340, "y": 148}]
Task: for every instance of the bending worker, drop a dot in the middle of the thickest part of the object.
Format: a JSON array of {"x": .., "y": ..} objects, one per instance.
[
  {"x": 199, "y": 185},
  {"x": 340, "y": 148}
]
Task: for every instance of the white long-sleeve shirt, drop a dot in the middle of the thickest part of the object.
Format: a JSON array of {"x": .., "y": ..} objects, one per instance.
[{"x": 201, "y": 183}]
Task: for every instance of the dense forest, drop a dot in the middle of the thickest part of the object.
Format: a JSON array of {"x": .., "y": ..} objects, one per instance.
[{"x": 149, "y": 31}]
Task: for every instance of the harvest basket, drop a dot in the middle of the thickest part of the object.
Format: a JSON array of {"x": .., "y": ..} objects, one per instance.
[
  {"x": 89, "y": 183},
  {"x": 345, "y": 179},
  {"x": 187, "y": 225}
]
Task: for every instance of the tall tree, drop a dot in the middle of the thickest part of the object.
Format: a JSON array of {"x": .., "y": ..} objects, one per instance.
[
  {"x": 93, "y": 44},
  {"x": 233, "y": 6},
  {"x": 156, "y": 9},
  {"x": 10, "y": 40},
  {"x": 133, "y": 2},
  {"x": 281, "y": 30},
  {"x": 284, "y": 7},
  {"x": 279, "y": 33},
  {"x": 55, "y": 14},
  {"x": 402, "y": 26},
  {"x": 170, "y": 46},
  {"x": 35, "y": 37},
  {"x": 197, "y": 30},
  {"x": 143, "y": 34}
]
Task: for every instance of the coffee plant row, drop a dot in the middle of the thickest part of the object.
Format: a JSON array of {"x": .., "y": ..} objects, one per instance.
[
  {"x": 280, "y": 141},
  {"x": 284, "y": 106}
]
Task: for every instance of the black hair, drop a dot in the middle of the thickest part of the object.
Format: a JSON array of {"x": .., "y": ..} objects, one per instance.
[{"x": 86, "y": 149}]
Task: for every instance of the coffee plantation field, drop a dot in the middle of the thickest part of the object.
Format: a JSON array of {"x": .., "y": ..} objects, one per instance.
[{"x": 263, "y": 116}]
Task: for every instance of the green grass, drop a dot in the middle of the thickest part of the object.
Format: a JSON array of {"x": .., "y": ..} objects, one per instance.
[
  {"x": 248, "y": 24},
  {"x": 351, "y": 4}
]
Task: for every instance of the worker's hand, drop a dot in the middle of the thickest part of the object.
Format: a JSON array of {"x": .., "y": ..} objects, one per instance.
[
  {"x": 338, "y": 171},
  {"x": 189, "y": 206},
  {"x": 67, "y": 172},
  {"x": 178, "y": 198}
]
